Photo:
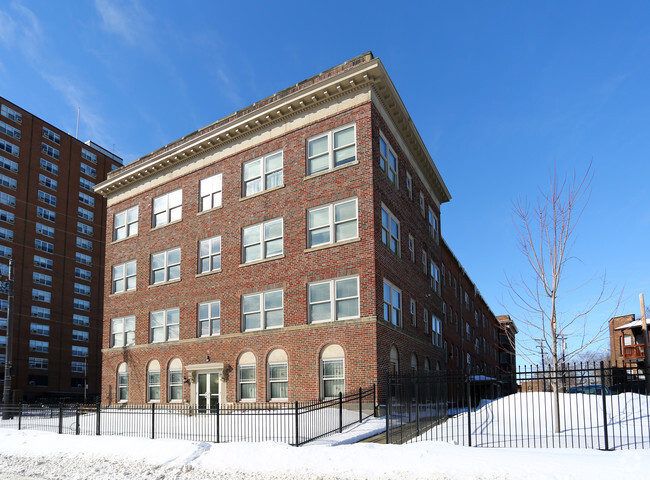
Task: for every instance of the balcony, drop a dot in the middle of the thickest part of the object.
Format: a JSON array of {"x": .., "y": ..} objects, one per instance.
[{"x": 633, "y": 352}]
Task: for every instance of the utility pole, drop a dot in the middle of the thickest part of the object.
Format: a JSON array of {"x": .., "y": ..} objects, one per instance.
[
  {"x": 8, "y": 286},
  {"x": 646, "y": 363},
  {"x": 541, "y": 351}
]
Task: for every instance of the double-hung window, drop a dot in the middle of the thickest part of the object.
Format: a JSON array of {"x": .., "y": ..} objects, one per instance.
[
  {"x": 435, "y": 278},
  {"x": 49, "y": 167},
  {"x": 390, "y": 230},
  {"x": 42, "y": 262},
  {"x": 81, "y": 304},
  {"x": 5, "y": 251},
  {"x": 263, "y": 240},
  {"x": 262, "y": 310},
  {"x": 333, "y": 223},
  {"x": 167, "y": 208},
  {"x": 41, "y": 295},
  {"x": 78, "y": 351},
  {"x": 47, "y": 182},
  {"x": 47, "y": 198},
  {"x": 44, "y": 246},
  {"x": 392, "y": 304},
  {"x": 6, "y": 216},
  {"x": 39, "y": 346},
  {"x": 209, "y": 318},
  {"x": 51, "y": 136},
  {"x": 11, "y": 114},
  {"x": 9, "y": 148},
  {"x": 85, "y": 229},
  {"x": 82, "y": 274},
  {"x": 332, "y": 149},
  {"x": 432, "y": 224},
  {"x": 51, "y": 151},
  {"x": 166, "y": 266},
  {"x": 124, "y": 277},
  {"x": 90, "y": 156},
  {"x": 80, "y": 336},
  {"x": 82, "y": 289},
  {"x": 210, "y": 192},
  {"x": 8, "y": 182},
  {"x": 39, "y": 329},
  {"x": 125, "y": 223},
  {"x": 8, "y": 164},
  {"x": 88, "y": 170},
  {"x": 46, "y": 214},
  {"x": 86, "y": 199},
  {"x": 436, "y": 331},
  {"x": 262, "y": 174},
  {"x": 85, "y": 183},
  {"x": 278, "y": 381},
  {"x": 83, "y": 258},
  {"x": 210, "y": 255},
  {"x": 84, "y": 243},
  {"x": 123, "y": 331},
  {"x": 388, "y": 160},
  {"x": 333, "y": 376},
  {"x": 85, "y": 214},
  {"x": 6, "y": 234},
  {"x": 164, "y": 325},
  {"x": 9, "y": 130},
  {"x": 41, "y": 312},
  {"x": 336, "y": 299}
]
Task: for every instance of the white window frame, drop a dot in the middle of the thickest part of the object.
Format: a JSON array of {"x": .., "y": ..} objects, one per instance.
[
  {"x": 413, "y": 313},
  {"x": 209, "y": 318},
  {"x": 122, "y": 383},
  {"x": 262, "y": 240},
  {"x": 333, "y": 299},
  {"x": 248, "y": 381},
  {"x": 210, "y": 192},
  {"x": 80, "y": 336},
  {"x": 167, "y": 268},
  {"x": 273, "y": 380},
  {"x": 409, "y": 185},
  {"x": 175, "y": 384},
  {"x": 263, "y": 310},
  {"x": 125, "y": 223},
  {"x": 386, "y": 154},
  {"x": 209, "y": 255},
  {"x": 153, "y": 385},
  {"x": 170, "y": 326},
  {"x": 391, "y": 311},
  {"x": 411, "y": 247},
  {"x": 325, "y": 378},
  {"x": 169, "y": 208},
  {"x": 122, "y": 331},
  {"x": 435, "y": 277},
  {"x": 436, "y": 331},
  {"x": 331, "y": 150},
  {"x": 258, "y": 173},
  {"x": 333, "y": 226},
  {"x": 388, "y": 236}
]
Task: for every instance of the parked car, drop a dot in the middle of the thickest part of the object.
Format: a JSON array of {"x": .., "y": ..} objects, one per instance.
[{"x": 590, "y": 389}]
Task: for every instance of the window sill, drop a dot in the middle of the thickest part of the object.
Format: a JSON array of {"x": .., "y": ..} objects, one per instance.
[
  {"x": 117, "y": 294},
  {"x": 254, "y": 195},
  {"x": 165, "y": 225},
  {"x": 264, "y": 260},
  {"x": 123, "y": 239},
  {"x": 335, "y": 169},
  {"x": 206, "y": 274},
  {"x": 204, "y": 212},
  {"x": 168, "y": 282},
  {"x": 331, "y": 245},
  {"x": 252, "y": 330}
]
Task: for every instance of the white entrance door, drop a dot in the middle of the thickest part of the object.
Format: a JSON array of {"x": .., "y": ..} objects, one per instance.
[{"x": 208, "y": 391}]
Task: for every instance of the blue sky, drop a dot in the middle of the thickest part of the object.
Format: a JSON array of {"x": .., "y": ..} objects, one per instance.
[{"x": 499, "y": 91}]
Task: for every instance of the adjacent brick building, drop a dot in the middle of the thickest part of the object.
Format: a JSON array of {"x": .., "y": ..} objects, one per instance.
[
  {"x": 52, "y": 224},
  {"x": 289, "y": 251},
  {"x": 627, "y": 343}
]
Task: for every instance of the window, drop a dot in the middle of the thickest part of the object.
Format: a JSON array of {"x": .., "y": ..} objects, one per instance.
[
  {"x": 38, "y": 363},
  {"x": 333, "y": 223},
  {"x": 436, "y": 330},
  {"x": 82, "y": 289},
  {"x": 85, "y": 229},
  {"x": 85, "y": 214},
  {"x": 332, "y": 371},
  {"x": 6, "y": 234},
  {"x": 39, "y": 329},
  {"x": 433, "y": 224},
  {"x": 466, "y": 301},
  {"x": 444, "y": 311},
  {"x": 124, "y": 276},
  {"x": 44, "y": 246},
  {"x": 262, "y": 174},
  {"x": 41, "y": 312},
  {"x": 278, "y": 377},
  {"x": 44, "y": 230},
  {"x": 390, "y": 230},
  {"x": 51, "y": 151},
  {"x": 88, "y": 170},
  {"x": 123, "y": 383},
  {"x": 209, "y": 318},
  {"x": 412, "y": 248},
  {"x": 7, "y": 199},
  {"x": 9, "y": 148},
  {"x": 84, "y": 243},
  {"x": 6, "y": 216},
  {"x": 210, "y": 193},
  {"x": 392, "y": 304},
  {"x": 123, "y": 331},
  {"x": 331, "y": 150},
  {"x": 125, "y": 223},
  {"x": 388, "y": 160},
  {"x": 5, "y": 251},
  {"x": 41, "y": 262},
  {"x": 336, "y": 299},
  {"x": 210, "y": 255},
  {"x": 39, "y": 346},
  {"x": 262, "y": 241},
  {"x": 426, "y": 321},
  {"x": 412, "y": 311},
  {"x": 153, "y": 381},
  {"x": 167, "y": 208},
  {"x": 3, "y": 343},
  {"x": 82, "y": 274},
  {"x": 52, "y": 136},
  {"x": 46, "y": 214},
  {"x": 422, "y": 204},
  {"x": 409, "y": 185},
  {"x": 175, "y": 380},
  {"x": 79, "y": 336},
  {"x": 166, "y": 266},
  {"x": 424, "y": 261},
  {"x": 8, "y": 182},
  {"x": 87, "y": 155},
  {"x": 47, "y": 198},
  {"x": 435, "y": 278},
  {"x": 11, "y": 114},
  {"x": 81, "y": 304},
  {"x": 78, "y": 367},
  {"x": 164, "y": 325},
  {"x": 8, "y": 164},
  {"x": 86, "y": 199},
  {"x": 83, "y": 258},
  {"x": 49, "y": 167},
  {"x": 85, "y": 183},
  {"x": 247, "y": 380},
  {"x": 41, "y": 295},
  {"x": 81, "y": 320},
  {"x": 42, "y": 279},
  {"x": 262, "y": 310}
]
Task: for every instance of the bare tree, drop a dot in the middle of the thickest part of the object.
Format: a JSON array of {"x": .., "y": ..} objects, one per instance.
[{"x": 546, "y": 234}]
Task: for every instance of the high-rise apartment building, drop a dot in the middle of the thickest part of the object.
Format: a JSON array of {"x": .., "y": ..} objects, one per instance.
[{"x": 52, "y": 225}]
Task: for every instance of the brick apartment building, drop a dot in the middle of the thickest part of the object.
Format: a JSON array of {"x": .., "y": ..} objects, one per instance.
[
  {"x": 52, "y": 224},
  {"x": 289, "y": 251},
  {"x": 626, "y": 343}
]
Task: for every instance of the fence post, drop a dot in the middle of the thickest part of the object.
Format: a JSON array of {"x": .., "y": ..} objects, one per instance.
[
  {"x": 98, "y": 413},
  {"x": 360, "y": 406},
  {"x": 218, "y": 422},
  {"x": 77, "y": 421},
  {"x": 60, "y": 419},
  {"x": 388, "y": 408},
  {"x": 297, "y": 423},
  {"x": 469, "y": 411},
  {"x": 340, "y": 412},
  {"x": 20, "y": 415},
  {"x": 417, "y": 405},
  {"x": 153, "y": 420},
  {"x": 602, "y": 394},
  {"x": 374, "y": 400}
]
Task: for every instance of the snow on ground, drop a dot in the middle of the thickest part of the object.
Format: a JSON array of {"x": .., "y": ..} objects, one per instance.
[{"x": 41, "y": 455}]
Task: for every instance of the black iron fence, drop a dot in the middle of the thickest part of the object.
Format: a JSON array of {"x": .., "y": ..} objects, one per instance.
[
  {"x": 573, "y": 406},
  {"x": 293, "y": 423}
]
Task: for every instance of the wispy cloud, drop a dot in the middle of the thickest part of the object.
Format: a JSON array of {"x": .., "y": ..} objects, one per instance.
[{"x": 128, "y": 20}]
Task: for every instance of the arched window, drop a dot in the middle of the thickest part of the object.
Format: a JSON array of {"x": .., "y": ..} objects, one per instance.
[
  {"x": 414, "y": 363},
  {"x": 394, "y": 360},
  {"x": 278, "y": 376},
  {"x": 437, "y": 366},
  {"x": 153, "y": 381},
  {"x": 332, "y": 363},
  {"x": 175, "y": 381},
  {"x": 247, "y": 377},
  {"x": 427, "y": 366},
  {"x": 123, "y": 383}
]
